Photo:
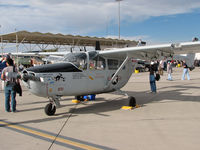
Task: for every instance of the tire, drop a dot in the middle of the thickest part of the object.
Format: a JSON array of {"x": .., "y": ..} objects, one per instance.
[
  {"x": 50, "y": 109},
  {"x": 132, "y": 101}
]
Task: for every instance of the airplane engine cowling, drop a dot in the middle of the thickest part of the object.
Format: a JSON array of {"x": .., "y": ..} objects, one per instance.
[{"x": 29, "y": 76}]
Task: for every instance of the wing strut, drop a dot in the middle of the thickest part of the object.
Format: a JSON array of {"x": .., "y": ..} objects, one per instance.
[{"x": 116, "y": 73}]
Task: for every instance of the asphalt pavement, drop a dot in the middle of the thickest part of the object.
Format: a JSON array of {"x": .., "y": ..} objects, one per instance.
[{"x": 169, "y": 119}]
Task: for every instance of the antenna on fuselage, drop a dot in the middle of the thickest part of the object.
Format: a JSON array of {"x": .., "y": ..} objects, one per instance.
[
  {"x": 97, "y": 45},
  {"x": 84, "y": 49},
  {"x": 71, "y": 49}
]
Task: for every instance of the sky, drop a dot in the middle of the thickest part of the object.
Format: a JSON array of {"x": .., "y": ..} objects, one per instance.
[{"x": 155, "y": 21}]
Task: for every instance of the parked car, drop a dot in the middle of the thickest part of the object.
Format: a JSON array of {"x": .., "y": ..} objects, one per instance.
[{"x": 143, "y": 66}]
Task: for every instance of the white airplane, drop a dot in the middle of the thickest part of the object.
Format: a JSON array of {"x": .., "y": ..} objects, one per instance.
[{"x": 94, "y": 72}]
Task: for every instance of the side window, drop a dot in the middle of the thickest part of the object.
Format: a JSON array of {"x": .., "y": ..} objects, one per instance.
[
  {"x": 97, "y": 63},
  {"x": 112, "y": 64}
]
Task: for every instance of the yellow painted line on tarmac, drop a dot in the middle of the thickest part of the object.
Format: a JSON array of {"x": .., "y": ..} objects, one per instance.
[{"x": 76, "y": 144}]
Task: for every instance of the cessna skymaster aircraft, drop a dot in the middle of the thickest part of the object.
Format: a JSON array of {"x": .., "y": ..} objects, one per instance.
[{"x": 93, "y": 72}]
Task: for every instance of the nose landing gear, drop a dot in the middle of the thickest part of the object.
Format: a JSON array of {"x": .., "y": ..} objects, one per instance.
[{"x": 50, "y": 108}]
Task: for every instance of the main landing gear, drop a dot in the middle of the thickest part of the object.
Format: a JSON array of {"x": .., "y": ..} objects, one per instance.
[
  {"x": 132, "y": 101},
  {"x": 50, "y": 108}
]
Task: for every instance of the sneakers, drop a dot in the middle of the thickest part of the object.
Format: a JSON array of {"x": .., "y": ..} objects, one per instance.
[
  {"x": 12, "y": 111},
  {"x": 15, "y": 111},
  {"x": 152, "y": 92}
]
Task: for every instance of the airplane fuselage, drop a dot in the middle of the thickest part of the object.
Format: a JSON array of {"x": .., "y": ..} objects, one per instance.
[{"x": 67, "y": 79}]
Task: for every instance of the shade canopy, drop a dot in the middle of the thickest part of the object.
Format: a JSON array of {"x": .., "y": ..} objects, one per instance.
[{"x": 60, "y": 39}]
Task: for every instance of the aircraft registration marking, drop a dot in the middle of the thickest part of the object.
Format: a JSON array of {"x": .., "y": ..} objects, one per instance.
[
  {"x": 78, "y": 76},
  {"x": 100, "y": 76}
]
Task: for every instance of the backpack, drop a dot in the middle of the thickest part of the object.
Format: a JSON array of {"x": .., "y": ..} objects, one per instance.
[{"x": 157, "y": 77}]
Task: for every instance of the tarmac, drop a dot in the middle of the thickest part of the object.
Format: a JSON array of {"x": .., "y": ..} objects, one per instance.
[{"x": 167, "y": 120}]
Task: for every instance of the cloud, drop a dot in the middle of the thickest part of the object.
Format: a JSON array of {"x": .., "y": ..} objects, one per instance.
[{"x": 84, "y": 16}]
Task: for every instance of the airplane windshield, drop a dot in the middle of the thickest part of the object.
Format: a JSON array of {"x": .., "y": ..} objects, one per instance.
[
  {"x": 78, "y": 59},
  {"x": 96, "y": 62}
]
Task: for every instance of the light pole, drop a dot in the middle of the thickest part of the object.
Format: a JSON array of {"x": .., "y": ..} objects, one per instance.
[
  {"x": 17, "y": 47},
  {"x": 119, "y": 17}
]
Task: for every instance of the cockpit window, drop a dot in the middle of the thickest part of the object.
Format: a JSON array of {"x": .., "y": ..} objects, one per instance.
[
  {"x": 96, "y": 62},
  {"x": 78, "y": 59}
]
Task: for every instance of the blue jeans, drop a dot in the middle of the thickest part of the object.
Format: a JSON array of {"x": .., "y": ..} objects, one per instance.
[
  {"x": 152, "y": 83},
  {"x": 169, "y": 76},
  {"x": 10, "y": 92},
  {"x": 185, "y": 72}
]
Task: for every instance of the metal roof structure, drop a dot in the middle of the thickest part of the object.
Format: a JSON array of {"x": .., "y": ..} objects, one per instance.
[{"x": 26, "y": 37}]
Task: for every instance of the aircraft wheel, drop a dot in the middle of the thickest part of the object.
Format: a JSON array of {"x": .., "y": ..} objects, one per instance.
[
  {"x": 132, "y": 101},
  {"x": 50, "y": 109}
]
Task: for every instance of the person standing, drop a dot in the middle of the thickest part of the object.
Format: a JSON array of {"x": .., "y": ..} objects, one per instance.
[
  {"x": 2, "y": 66},
  {"x": 161, "y": 66},
  {"x": 169, "y": 71},
  {"x": 152, "y": 79},
  {"x": 185, "y": 71},
  {"x": 9, "y": 81}
]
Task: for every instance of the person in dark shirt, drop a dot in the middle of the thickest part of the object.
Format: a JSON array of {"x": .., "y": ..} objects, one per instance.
[
  {"x": 3, "y": 63},
  {"x": 152, "y": 79},
  {"x": 185, "y": 71}
]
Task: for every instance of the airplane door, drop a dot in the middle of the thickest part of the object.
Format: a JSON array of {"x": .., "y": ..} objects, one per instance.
[
  {"x": 96, "y": 73},
  {"x": 97, "y": 80}
]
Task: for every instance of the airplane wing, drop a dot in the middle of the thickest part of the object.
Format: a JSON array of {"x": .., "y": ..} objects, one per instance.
[
  {"x": 39, "y": 53},
  {"x": 153, "y": 52},
  {"x": 150, "y": 52}
]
